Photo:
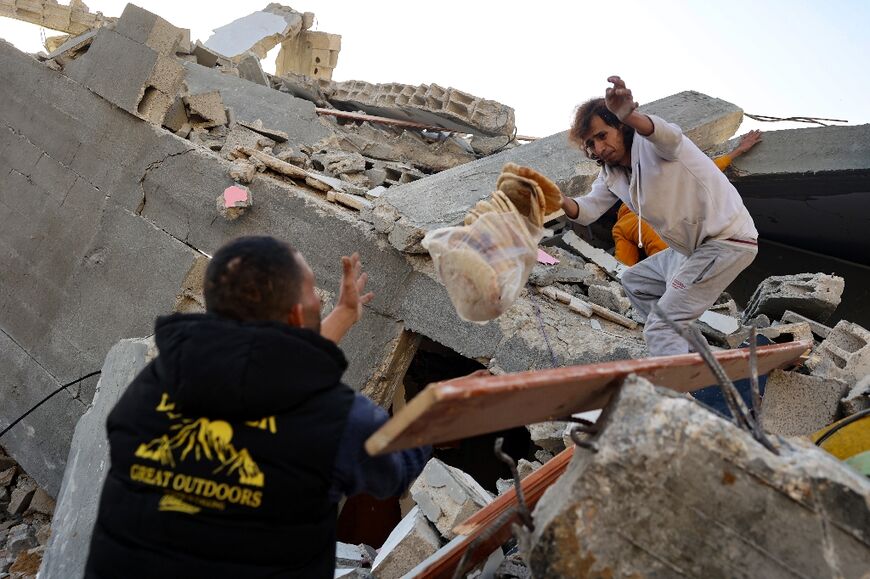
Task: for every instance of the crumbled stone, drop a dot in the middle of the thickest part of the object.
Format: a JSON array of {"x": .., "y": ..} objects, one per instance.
[
  {"x": 8, "y": 475},
  {"x": 526, "y": 467},
  {"x": 234, "y": 202},
  {"x": 844, "y": 354},
  {"x": 548, "y": 435},
  {"x": 21, "y": 496},
  {"x": 610, "y": 296},
  {"x": 206, "y": 109},
  {"x": 411, "y": 542},
  {"x": 20, "y": 538},
  {"x": 857, "y": 399},
  {"x": 42, "y": 503},
  {"x": 815, "y": 296},
  {"x": 243, "y": 171},
  {"x": 447, "y": 496}
]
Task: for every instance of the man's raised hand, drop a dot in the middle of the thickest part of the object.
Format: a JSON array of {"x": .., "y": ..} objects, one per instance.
[
  {"x": 618, "y": 99},
  {"x": 353, "y": 284}
]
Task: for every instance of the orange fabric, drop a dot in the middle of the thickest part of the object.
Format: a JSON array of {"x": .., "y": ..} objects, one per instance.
[
  {"x": 625, "y": 236},
  {"x": 723, "y": 162},
  {"x": 625, "y": 230}
]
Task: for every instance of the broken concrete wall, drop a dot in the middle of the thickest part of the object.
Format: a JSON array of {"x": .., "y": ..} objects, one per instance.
[
  {"x": 312, "y": 53},
  {"x": 71, "y": 165},
  {"x": 72, "y": 18}
]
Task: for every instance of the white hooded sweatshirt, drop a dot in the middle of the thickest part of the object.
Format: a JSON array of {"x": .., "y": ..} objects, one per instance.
[{"x": 676, "y": 188}]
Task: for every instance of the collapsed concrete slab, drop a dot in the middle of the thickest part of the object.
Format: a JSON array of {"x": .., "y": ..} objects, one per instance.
[
  {"x": 250, "y": 102},
  {"x": 94, "y": 196},
  {"x": 713, "y": 505},
  {"x": 445, "y": 198},
  {"x": 813, "y": 295},
  {"x": 88, "y": 464},
  {"x": 258, "y": 32},
  {"x": 809, "y": 188}
]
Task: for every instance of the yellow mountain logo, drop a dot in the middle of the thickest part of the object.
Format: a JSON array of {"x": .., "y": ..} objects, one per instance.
[{"x": 202, "y": 439}]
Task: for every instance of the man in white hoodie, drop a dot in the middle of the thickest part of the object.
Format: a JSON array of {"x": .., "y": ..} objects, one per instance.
[{"x": 649, "y": 165}]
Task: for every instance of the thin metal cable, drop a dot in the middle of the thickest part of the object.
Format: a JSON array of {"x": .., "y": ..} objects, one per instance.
[
  {"x": 811, "y": 120},
  {"x": 541, "y": 325}
]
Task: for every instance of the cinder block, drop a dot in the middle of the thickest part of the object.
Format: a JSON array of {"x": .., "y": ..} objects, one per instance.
[
  {"x": 797, "y": 405},
  {"x": 548, "y": 435},
  {"x": 129, "y": 75},
  {"x": 151, "y": 30},
  {"x": 447, "y": 496},
  {"x": 815, "y": 295},
  {"x": 844, "y": 354},
  {"x": 411, "y": 541}
]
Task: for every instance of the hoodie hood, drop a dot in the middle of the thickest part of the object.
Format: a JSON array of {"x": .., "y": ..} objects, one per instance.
[{"x": 217, "y": 366}]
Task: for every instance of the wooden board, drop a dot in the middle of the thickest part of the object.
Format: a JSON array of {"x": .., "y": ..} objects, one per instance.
[{"x": 473, "y": 405}]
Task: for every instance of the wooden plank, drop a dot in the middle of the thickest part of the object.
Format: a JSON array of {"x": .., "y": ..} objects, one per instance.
[
  {"x": 474, "y": 405},
  {"x": 489, "y": 521}
]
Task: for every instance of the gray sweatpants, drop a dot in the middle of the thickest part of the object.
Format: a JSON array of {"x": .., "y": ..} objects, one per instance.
[{"x": 684, "y": 287}]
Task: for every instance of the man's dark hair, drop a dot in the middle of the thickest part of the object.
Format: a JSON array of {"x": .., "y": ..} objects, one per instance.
[
  {"x": 255, "y": 278},
  {"x": 583, "y": 115}
]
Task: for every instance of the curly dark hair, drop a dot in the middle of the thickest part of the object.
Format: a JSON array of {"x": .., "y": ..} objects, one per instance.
[
  {"x": 256, "y": 278},
  {"x": 583, "y": 115}
]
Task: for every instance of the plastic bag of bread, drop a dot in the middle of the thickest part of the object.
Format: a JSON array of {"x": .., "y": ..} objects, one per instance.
[{"x": 486, "y": 262}]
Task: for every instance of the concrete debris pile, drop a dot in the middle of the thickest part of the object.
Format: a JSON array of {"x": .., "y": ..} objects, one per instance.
[
  {"x": 671, "y": 489},
  {"x": 25, "y": 521},
  {"x": 131, "y": 153}
]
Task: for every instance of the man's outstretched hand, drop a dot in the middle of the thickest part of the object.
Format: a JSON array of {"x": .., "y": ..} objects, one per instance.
[
  {"x": 618, "y": 99},
  {"x": 353, "y": 284},
  {"x": 747, "y": 141},
  {"x": 351, "y": 300}
]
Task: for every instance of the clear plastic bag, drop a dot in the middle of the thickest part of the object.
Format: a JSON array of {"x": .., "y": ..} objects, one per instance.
[{"x": 486, "y": 263}]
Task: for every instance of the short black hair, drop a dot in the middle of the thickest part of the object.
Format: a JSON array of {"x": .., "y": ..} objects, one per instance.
[
  {"x": 583, "y": 115},
  {"x": 255, "y": 278}
]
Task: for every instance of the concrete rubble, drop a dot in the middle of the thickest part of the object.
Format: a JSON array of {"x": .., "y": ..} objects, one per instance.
[
  {"x": 447, "y": 496},
  {"x": 644, "y": 505},
  {"x": 130, "y": 147},
  {"x": 815, "y": 296},
  {"x": 410, "y": 542}
]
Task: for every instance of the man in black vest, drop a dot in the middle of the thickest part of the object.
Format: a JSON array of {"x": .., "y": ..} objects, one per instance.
[{"x": 231, "y": 450}]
